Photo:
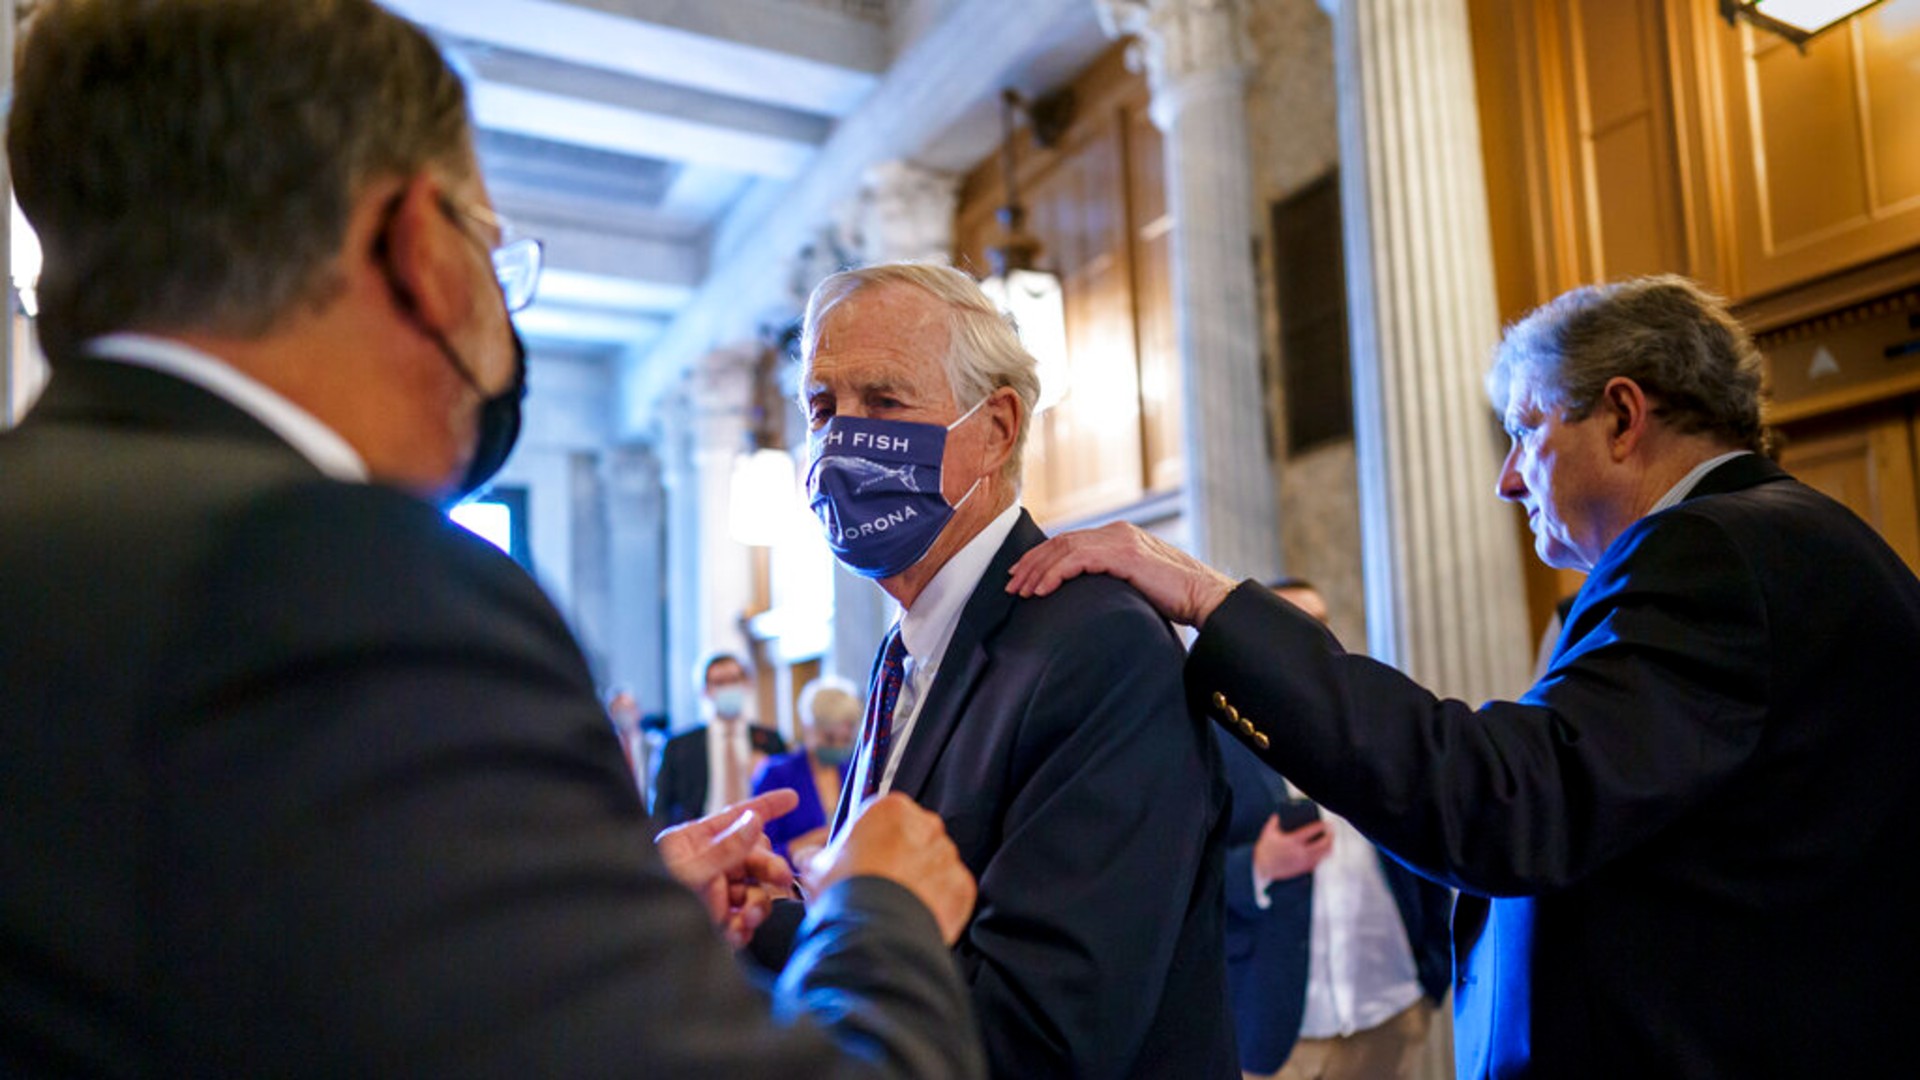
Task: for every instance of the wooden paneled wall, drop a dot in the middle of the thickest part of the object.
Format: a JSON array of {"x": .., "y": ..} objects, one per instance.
[
  {"x": 1627, "y": 137},
  {"x": 1097, "y": 200},
  {"x": 1637, "y": 136}
]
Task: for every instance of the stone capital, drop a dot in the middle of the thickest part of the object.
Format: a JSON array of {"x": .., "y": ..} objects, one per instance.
[
  {"x": 1178, "y": 39},
  {"x": 906, "y": 213}
]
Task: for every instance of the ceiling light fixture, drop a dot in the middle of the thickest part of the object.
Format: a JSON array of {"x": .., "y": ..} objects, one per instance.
[
  {"x": 1032, "y": 296},
  {"x": 1799, "y": 21}
]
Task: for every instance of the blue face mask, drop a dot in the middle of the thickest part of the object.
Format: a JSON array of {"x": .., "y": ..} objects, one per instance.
[
  {"x": 875, "y": 485},
  {"x": 729, "y": 701},
  {"x": 833, "y": 756}
]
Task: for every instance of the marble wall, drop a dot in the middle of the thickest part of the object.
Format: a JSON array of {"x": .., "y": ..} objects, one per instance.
[{"x": 1292, "y": 102}]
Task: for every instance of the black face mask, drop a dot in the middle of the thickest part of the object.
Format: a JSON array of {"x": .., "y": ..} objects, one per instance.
[{"x": 499, "y": 420}]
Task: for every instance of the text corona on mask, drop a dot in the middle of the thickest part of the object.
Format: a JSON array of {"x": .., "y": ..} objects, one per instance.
[{"x": 877, "y": 525}]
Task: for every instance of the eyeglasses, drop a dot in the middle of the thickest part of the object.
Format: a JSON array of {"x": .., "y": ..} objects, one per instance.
[{"x": 516, "y": 259}]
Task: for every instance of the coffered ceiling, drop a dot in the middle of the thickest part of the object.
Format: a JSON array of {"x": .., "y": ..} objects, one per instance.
[
  {"x": 640, "y": 137},
  {"x": 623, "y": 131}
]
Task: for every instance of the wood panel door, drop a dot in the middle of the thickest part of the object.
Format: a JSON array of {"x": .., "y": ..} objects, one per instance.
[
  {"x": 1092, "y": 437},
  {"x": 1865, "y": 461},
  {"x": 1825, "y": 147},
  {"x": 1097, "y": 202}
]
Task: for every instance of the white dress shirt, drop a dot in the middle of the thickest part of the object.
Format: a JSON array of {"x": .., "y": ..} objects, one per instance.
[
  {"x": 300, "y": 429},
  {"x": 727, "y": 737},
  {"x": 1360, "y": 968},
  {"x": 1692, "y": 480},
  {"x": 928, "y": 626}
]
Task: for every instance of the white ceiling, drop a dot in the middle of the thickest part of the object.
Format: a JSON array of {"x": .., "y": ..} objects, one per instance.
[
  {"x": 639, "y": 137},
  {"x": 621, "y": 131}
]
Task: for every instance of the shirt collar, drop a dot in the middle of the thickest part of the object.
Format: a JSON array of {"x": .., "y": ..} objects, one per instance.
[
  {"x": 929, "y": 624},
  {"x": 300, "y": 429},
  {"x": 1681, "y": 490}
]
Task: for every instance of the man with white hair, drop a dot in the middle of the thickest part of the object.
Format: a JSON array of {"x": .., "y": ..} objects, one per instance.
[{"x": 1050, "y": 734}]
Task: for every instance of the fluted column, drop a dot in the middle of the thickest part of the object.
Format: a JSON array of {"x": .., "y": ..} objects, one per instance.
[
  {"x": 709, "y": 573},
  {"x": 1444, "y": 589},
  {"x": 1192, "y": 51},
  {"x": 636, "y": 569}
]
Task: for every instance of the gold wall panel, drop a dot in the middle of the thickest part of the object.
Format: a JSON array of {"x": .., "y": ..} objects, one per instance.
[
  {"x": 1891, "y": 35},
  {"x": 1808, "y": 156},
  {"x": 1824, "y": 148}
]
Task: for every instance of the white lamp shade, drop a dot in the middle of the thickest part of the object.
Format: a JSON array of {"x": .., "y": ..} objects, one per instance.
[
  {"x": 1811, "y": 16},
  {"x": 761, "y": 497},
  {"x": 1038, "y": 306}
]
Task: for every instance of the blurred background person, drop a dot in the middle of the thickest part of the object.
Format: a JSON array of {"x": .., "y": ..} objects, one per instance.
[
  {"x": 1337, "y": 955},
  {"x": 830, "y": 709},
  {"x": 623, "y": 712},
  {"x": 711, "y": 766}
]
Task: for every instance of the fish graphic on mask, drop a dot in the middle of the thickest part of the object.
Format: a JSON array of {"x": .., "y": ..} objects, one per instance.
[
  {"x": 868, "y": 475},
  {"x": 881, "y": 504}
]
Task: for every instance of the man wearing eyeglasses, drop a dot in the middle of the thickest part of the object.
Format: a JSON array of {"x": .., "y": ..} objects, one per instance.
[{"x": 299, "y": 779}]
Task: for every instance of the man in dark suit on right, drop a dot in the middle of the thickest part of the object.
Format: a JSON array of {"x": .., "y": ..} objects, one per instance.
[{"x": 1686, "y": 851}]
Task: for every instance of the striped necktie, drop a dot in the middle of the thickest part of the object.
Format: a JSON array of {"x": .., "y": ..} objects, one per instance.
[{"x": 877, "y": 735}]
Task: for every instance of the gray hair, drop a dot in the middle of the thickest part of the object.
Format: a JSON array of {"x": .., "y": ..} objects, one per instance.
[
  {"x": 1666, "y": 333},
  {"x": 833, "y": 693},
  {"x": 983, "y": 349},
  {"x": 190, "y": 164}
]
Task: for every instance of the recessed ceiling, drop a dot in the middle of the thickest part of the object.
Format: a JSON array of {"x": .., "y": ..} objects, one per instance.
[{"x": 652, "y": 143}]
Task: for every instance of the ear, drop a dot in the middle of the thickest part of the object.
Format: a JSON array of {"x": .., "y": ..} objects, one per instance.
[
  {"x": 1628, "y": 413},
  {"x": 1005, "y": 413},
  {"x": 423, "y": 253}
]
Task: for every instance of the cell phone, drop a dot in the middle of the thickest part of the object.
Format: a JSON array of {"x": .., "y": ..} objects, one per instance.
[{"x": 1295, "y": 813}]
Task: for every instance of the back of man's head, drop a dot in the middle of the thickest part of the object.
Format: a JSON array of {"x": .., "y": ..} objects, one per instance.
[
  {"x": 190, "y": 164},
  {"x": 1302, "y": 594},
  {"x": 1673, "y": 338}
]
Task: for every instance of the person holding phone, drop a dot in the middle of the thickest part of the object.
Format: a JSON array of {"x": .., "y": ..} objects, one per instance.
[{"x": 1337, "y": 955}]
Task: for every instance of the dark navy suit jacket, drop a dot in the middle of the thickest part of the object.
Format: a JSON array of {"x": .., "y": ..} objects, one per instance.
[
  {"x": 680, "y": 787},
  {"x": 1088, "y": 801},
  {"x": 1687, "y": 851},
  {"x": 1267, "y": 948}
]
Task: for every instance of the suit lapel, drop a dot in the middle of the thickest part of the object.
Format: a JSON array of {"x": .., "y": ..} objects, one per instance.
[{"x": 964, "y": 663}]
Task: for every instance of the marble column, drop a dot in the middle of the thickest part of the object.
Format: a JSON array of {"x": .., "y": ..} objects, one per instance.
[
  {"x": 709, "y": 575},
  {"x": 1445, "y": 598},
  {"x": 1192, "y": 53},
  {"x": 905, "y": 213},
  {"x": 636, "y": 572}
]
